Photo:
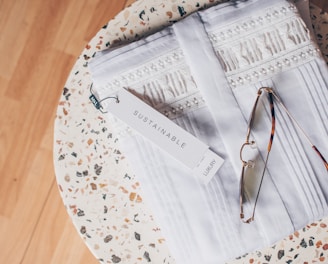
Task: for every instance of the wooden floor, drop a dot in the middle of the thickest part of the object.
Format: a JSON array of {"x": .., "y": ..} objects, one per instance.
[{"x": 39, "y": 43}]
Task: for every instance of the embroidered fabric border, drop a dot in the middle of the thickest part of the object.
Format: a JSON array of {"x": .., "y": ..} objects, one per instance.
[
  {"x": 255, "y": 48},
  {"x": 165, "y": 83}
]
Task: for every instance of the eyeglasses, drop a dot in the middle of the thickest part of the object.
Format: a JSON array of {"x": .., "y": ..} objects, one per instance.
[{"x": 247, "y": 165}]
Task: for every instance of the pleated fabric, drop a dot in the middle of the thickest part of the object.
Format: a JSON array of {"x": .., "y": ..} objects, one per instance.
[{"x": 203, "y": 73}]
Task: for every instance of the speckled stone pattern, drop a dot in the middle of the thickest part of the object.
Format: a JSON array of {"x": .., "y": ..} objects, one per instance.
[{"x": 99, "y": 189}]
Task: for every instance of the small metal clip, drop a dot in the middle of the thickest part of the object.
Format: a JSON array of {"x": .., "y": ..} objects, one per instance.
[{"x": 97, "y": 103}]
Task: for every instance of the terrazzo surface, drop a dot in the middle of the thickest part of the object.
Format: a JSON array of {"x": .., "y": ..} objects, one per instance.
[{"x": 100, "y": 191}]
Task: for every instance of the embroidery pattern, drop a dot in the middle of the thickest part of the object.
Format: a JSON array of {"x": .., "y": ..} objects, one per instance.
[
  {"x": 165, "y": 83},
  {"x": 253, "y": 49}
]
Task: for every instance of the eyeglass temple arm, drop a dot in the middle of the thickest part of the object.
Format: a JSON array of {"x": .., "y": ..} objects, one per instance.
[
  {"x": 241, "y": 192},
  {"x": 273, "y": 127},
  {"x": 320, "y": 155},
  {"x": 301, "y": 129},
  {"x": 252, "y": 116},
  {"x": 273, "y": 120}
]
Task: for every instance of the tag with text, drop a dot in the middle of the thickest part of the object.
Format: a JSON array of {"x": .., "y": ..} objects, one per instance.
[{"x": 166, "y": 135}]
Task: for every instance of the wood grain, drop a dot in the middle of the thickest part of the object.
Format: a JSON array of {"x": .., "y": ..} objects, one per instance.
[{"x": 39, "y": 43}]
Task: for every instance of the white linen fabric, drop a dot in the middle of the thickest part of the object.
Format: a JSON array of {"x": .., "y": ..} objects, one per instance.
[{"x": 203, "y": 73}]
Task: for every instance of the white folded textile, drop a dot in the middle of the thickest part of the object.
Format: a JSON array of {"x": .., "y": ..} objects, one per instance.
[{"x": 203, "y": 73}]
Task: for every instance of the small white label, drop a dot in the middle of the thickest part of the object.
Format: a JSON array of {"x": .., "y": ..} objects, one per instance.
[
  {"x": 208, "y": 166},
  {"x": 165, "y": 134}
]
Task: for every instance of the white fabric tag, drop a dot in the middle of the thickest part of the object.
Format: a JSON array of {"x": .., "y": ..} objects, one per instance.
[{"x": 164, "y": 133}]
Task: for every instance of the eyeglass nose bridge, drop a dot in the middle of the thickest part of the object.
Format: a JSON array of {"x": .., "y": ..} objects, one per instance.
[
  {"x": 266, "y": 89},
  {"x": 249, "y": 163}
]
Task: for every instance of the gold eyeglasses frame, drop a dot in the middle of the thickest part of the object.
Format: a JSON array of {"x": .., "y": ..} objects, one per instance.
[{"x": 249, "y": 164}]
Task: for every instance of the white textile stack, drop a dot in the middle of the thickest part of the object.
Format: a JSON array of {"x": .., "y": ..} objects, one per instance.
[{"x": 203, "y": 73}]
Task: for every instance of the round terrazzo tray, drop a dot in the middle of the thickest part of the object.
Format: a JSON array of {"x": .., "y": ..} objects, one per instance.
[{"x": 100, "y": 191}]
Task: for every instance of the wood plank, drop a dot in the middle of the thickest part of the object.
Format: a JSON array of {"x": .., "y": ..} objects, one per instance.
[
  {"x": 15, "y": 19},
  {"x": 36, "y": 106},
  {"x": 7, "y": 127},
  {"x": 37, "y": 47},
  {"x": 101, "y": 15},
  {"x": 70, "y": 37},
  {"x": 129, "y": 2},
  {"x": 57, "y": 235},
  {"x": 33, "y": 71},
  {"x": 18, "y": 230}
]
